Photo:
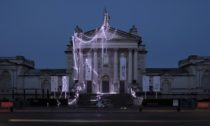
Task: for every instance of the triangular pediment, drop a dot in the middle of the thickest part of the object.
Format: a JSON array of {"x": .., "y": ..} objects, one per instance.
[{"x": 115, "y": 34}]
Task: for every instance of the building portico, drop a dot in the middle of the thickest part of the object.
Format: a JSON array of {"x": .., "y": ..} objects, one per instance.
[{"x": 106, "y": 60}]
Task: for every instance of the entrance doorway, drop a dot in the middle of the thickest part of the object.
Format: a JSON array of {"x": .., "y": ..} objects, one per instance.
[
  {"x": 89, "y": 87},
  {"x": 122, "y": 87},
  {"x": 105, "y": 84}
]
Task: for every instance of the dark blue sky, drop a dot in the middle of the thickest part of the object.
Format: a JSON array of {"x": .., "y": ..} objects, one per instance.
[{"x": 40, "y": 29}]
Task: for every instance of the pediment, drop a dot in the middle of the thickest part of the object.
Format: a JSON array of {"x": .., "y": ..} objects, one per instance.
[
  {"x": 6, "y": 63},
  {"x": 114, "y": 34}
]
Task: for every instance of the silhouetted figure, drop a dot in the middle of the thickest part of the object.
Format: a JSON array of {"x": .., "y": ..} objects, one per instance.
[
  {"x": 179, "y": 106},
  {"x": 58, "y": 103}
]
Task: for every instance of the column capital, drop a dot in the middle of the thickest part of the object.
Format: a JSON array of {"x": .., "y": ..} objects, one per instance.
[
  {"x": 122, "y": 54},
  {"x": 89, "y": 54},
  {"x": 136, "y": 50},
  {"x": 130, "y": 49}
]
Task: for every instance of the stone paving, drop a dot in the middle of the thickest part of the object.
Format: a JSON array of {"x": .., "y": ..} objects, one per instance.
[{"x": 123, "y": 109}]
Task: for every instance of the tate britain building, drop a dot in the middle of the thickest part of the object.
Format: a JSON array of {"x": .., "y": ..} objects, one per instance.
[{"x": 105, "y": 60}]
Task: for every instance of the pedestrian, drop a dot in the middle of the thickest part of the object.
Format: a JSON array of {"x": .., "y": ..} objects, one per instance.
[{"x": 179, "y": 106}]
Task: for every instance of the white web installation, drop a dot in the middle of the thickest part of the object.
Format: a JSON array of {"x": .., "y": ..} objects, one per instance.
[{"x": 80, "y": 41}]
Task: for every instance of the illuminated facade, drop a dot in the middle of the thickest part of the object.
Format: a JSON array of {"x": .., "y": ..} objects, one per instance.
[{"x": 106, "y": 60}]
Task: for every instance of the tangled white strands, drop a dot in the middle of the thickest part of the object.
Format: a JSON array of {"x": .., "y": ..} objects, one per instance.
[{"x": 81, "y": 40}]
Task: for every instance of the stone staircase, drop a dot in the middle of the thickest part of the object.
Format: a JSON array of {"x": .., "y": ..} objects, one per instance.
[{"x": 107, "y": 100}]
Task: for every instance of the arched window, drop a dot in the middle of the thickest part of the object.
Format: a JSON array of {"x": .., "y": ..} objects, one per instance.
[{"x": 5, "y": 80}]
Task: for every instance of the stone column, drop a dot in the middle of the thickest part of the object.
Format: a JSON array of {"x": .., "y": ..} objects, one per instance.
[
  {"x": 115, "y": 66},
  {"x": 130, "y": 66},
  {"x": 95, "y": 71},
  {"x": 75, "y": 71},
  {"x": 135, "y": 69},
  {"x": 81, "y": 67}
]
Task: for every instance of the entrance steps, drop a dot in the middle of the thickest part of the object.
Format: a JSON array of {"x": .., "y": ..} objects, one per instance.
[{"x": 107, "y": 100}]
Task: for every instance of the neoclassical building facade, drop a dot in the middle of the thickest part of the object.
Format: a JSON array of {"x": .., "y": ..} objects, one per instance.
[{"x": 105, "y": 60}]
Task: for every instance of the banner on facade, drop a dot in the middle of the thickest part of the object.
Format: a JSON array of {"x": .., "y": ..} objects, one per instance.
[
  {"x": 122, "y": 68},
  {"x": 65, "y": 83},
  {"x": 54, "y": 83},
  {"x": 156, "y": 83},
  {"x": 88, "y": 69},
  {"x": 145, "y": 83}
]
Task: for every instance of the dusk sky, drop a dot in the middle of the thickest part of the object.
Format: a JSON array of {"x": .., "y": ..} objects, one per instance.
[{"x": 41, "y": 29}]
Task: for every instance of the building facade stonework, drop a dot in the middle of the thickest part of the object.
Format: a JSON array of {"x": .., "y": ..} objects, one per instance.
[
  {"x": 102, "y": 55},
  {"x": 106, "y": 60}
]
